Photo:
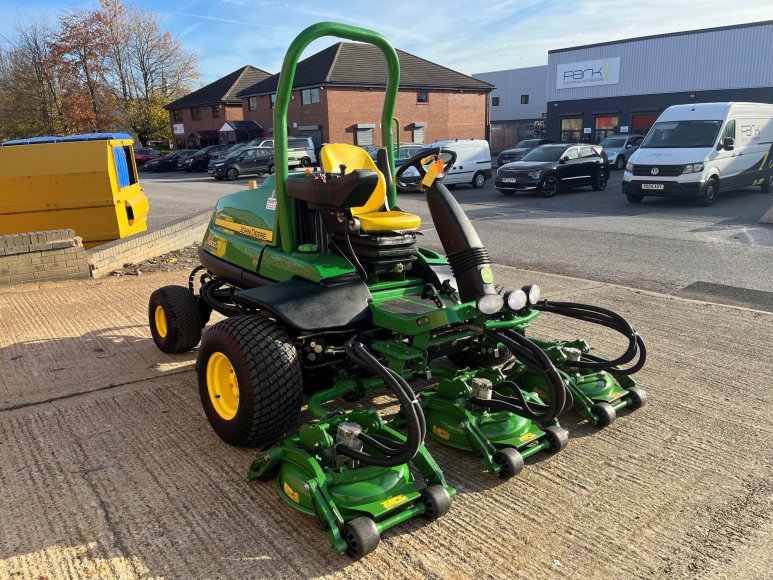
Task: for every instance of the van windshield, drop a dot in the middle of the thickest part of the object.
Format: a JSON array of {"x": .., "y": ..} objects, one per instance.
[{"x": 681, "y": 134}]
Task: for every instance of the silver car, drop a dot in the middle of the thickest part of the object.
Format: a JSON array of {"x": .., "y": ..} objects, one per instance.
[{"x": 620, "y": 147}]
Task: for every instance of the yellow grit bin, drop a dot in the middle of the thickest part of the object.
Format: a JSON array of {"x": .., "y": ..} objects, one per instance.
[{"x": 85, "y": 182}]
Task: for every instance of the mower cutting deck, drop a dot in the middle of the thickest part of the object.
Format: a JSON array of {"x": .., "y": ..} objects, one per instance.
[{"x": 326, "y": 292}]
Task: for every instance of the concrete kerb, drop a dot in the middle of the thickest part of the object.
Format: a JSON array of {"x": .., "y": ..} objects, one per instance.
[{"x": 177, "y": 235}]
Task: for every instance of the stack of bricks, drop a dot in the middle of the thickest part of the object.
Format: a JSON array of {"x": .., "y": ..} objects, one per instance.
[{"x": 42, "y": 256}]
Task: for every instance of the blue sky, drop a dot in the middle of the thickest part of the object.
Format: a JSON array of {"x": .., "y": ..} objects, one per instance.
[{"x": 470, "y": 37}]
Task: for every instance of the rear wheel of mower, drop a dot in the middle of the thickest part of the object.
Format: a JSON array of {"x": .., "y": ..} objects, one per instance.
[
  {"x": 638, "y": 397},
  {"x": 510, "y": 460},
  {"x": 474, "y": 359},
  {"x": 361, "y": 537},
  {"x": 250, "y": 380},
  {"x": 557, "y": 437},
  {"x": 436, "y": 500},
  {"x": 175, "y": 319},
  {"x": 604, "y": 412}
]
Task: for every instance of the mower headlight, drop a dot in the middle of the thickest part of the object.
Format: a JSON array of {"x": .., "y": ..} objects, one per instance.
[
  {"x": 534, "y": 174},
  {"x": 516, "y": 299},
  {"x": 693, "y": 168},
  {"x": 490, "y": 304},
  {"x": 629, "y": 167},
  {"x": 533, "y": 293}
]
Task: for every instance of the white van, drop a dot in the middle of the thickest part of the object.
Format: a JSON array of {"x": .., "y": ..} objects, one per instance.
[
  {"x": 701, "y": 149},
  {"x": 473, "y": 161},
  {"x": 300, "y": 150}
]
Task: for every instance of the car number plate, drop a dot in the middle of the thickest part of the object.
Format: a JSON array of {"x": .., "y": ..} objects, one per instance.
[
  {"x": 509, "y": 180},
  {"x": 652, "y": 186}
]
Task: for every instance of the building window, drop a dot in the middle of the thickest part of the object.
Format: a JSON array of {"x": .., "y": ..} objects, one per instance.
[
  {"x": 418, "y": 134},
  {"x": 177, "y": 115},
  {"x": 571, "y": 129},
  {"x": 273, "y": 100},
  {"x": 215, "y": 111},
  {"x": 605, "y": 127},
  {"x": 524, "y": 99},
  {"x": 494, "y": 101},
  {"x": 196, "y": 113},
  {"x": 309, "y": 96},
  {"x": 252, "y": 103},
  {"x": 422, "y": 96},
  {"x": 364, "y": 136},
  {"x": 642, "y": 122}
]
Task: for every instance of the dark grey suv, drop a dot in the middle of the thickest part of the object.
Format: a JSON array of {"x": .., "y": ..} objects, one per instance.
[
  {"x": 521, "y": 149},
  {"x": 246, "y": 161}
]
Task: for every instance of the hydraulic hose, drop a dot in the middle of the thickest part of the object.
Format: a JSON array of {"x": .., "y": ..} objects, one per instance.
[
  {"x": 396, "y": 453},
  {"x": 610, "y": 319},
  {"x": 535, "y": 359}
]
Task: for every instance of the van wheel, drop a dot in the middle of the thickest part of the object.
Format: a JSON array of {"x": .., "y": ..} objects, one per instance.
[
  {"x": 710, "y": 192},
  {"x": 767, "y": 185},
  {"x": 478, "y": 180},
  {"x": 233, "y": 174},
  {"x": 620, "y": 162},
  {"x": 306, "y": 162}
]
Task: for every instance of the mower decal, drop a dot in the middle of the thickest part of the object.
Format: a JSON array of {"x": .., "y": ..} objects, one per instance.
[
  {"x": 394, "y": 501},
  {"x": 271, "y": 204},
  {"x": 526, "y": 437},
  {"x": 216, "y": 244},
  {"x": 293, "y": 495},
  {"x": 440, "y": 432},
  {"x": 253, "y": 232}
]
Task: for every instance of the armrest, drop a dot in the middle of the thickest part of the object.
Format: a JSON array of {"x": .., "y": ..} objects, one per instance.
[{"x": 343, "y": 192}]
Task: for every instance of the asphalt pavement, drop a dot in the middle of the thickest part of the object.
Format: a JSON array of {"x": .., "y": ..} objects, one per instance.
[{"x": 719, "y": 253}]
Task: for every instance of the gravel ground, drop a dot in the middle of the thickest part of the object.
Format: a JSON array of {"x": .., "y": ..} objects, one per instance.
[{"x": 108, "y": 468}]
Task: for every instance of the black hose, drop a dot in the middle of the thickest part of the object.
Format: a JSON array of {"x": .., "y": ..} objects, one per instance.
[
  {"x": 535, "y": 359},
  {"x": 396, "y": 453},
  {"x": 610, "y": 319},
  {"x": 207, "y": 294}
]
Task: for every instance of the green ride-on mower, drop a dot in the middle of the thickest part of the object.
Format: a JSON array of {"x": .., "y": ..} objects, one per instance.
[{"x": 326, "y": 292}]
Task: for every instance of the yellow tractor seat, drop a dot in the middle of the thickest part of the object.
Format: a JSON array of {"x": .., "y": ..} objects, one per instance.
[{"x": 373, "y": 216}]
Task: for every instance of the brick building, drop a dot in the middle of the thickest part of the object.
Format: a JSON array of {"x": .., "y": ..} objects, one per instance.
[
  {"x": 198, "y": 117},
  {"x": 338, "y": 94}
]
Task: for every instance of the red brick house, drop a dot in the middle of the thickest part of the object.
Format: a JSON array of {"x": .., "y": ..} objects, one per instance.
[
  {"x": 196, "y": 118},
  {"x": 338, "y": 94}
]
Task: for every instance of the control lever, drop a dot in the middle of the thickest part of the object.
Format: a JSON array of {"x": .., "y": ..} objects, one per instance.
[
  {"x": 430, "y": 293},
  {"x": 450, "y": 292}
]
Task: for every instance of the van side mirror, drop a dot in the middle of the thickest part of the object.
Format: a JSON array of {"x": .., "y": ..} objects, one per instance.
[{"x": 728, "y": 144}]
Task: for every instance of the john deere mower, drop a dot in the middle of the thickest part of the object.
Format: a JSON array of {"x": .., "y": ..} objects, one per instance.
[{"x": 325, "y": 292}]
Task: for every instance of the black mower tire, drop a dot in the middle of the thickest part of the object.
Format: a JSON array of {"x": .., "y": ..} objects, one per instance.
[
  {"x": 181, "y": 317},
  {"x": 634, "y": 197},
  {"x": 511, "y": 462},
  {"x": 267, "y": 370},
  {"x": 437, "y": 501},
  {"x": 710, "y": 192},
  {"x": 361, "y": 537},
  {"x": 557, "y": 437},
  {"x": 605, "y": 414},
  {"x": 638, "y": 397},
  {"x": 549, "y": 186},
  {"x": 474, "y": 359},
  {"x": 600, "y": 180}
]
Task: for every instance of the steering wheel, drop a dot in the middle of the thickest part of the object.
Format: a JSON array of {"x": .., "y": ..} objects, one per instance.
[{"x": 432, "y": 164}]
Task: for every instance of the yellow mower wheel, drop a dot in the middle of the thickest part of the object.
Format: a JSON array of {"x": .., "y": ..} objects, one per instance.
[
  {"x": 175, "y": 319},
  {"x": 222, "y": 385}
]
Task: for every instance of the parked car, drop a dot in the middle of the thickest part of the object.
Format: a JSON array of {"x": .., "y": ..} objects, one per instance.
[
  {"x": 169, "y": 162},
  {"x": 245, "y": 161},
  {"x": 521, "y": 149},
  {"x": 600, "y": 150},
  {"x": 473, "y": 161},
  {"x": 620, "y": 147},
  {"x": 403, "y": 153},
  {"x": 548, "y": 168},
  {"x": 200, "y": 160},
  {"x": 145, "y": 154},
  {"x": 232, "y": 148},
  {"x": 300, "y": 150}
]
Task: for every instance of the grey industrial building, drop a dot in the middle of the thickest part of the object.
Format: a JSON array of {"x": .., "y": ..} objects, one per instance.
[{"x": 621, "y": 87}]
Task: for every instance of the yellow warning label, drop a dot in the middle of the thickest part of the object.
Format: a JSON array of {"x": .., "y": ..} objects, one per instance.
[
  {"x": 440, "y": 432},
  {"x": 251, "y": 231},
  {"x": 527, "y": 437},
  {"x": 290, "y": 493},
  {"x": 394, "y": 501}
]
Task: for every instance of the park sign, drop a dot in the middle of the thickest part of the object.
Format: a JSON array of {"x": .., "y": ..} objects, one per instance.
[{"x": 588, "y": 73}]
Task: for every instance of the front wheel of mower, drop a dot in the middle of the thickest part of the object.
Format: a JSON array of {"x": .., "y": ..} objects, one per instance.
[
  {"x": 175, "y": 319},
  {"x": 638, "y": 397},
  {"x": 250, "y": 380},
  {"x": 361, "y": 537},
  {"x": 511, "y": 462},
  {"x": 604, "y": 413},
  {"x": 558, "y": 438},
  {"x": 436, "y": 500}
]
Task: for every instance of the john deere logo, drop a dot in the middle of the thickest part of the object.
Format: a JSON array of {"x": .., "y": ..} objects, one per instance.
[{"x": 654, "y": 171}]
